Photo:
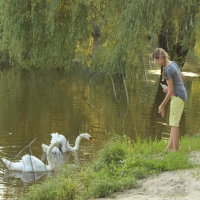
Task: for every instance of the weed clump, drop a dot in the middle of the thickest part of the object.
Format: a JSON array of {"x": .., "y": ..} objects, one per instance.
[{"x": 113, "y": 153}]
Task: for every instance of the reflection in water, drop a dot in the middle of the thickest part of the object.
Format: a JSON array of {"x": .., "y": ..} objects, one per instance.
[
  {"x": 24, "y": 176},
  {"x": 62, "y": 158},
  {"x": 40, "y": 104},
  {"x": 155, "y": 116}
]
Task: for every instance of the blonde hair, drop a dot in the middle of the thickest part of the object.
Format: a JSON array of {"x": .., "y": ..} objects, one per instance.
[{"x": 161, "y": 53}]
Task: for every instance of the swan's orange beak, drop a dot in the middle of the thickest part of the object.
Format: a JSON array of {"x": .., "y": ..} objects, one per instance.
[{"x": 90, "y": 139}]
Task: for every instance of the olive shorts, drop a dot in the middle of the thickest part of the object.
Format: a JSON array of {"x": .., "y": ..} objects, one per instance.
[{"x": 176, "y": 110}]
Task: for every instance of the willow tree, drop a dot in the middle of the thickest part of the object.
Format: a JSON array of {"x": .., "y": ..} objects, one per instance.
[
  {"x": 43, "y": 33},
  {"x": 52, "y": 33}
]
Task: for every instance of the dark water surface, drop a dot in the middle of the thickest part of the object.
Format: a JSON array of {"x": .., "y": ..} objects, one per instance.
[{"x": 42, "y": 103}]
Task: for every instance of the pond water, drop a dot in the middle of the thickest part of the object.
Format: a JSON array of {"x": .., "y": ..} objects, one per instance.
[{"x": 38, "y": 104}]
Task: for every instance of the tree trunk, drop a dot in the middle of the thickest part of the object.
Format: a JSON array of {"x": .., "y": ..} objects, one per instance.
[{"x": 178, "y": 53}]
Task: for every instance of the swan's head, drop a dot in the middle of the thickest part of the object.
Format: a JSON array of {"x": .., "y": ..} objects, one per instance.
[{"x": 86, "y": 136}]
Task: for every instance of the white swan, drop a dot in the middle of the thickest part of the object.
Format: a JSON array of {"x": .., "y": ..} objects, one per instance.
[
  {"x": 30, "y": 163},
  {"x": 65, "y": 144}
]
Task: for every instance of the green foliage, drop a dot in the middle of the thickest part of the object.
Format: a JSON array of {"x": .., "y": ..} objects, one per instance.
[
  {"x": 51, "y": 33},
  {"x": 43, "y": 33}
]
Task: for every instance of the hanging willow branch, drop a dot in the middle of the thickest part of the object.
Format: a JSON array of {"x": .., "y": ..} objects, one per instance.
[
  {"x": 131, "y": 80},
  {"x": 113, "y": 87},
  {"x": 145, "y": 74},
  {"x": 89, "y": 94},
  {"x": 126, "y": 92}
]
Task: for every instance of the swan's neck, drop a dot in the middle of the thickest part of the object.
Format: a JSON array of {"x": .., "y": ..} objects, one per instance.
[
  {"x": 77, "y": 142},
  {"x": 49, "y": 156}
]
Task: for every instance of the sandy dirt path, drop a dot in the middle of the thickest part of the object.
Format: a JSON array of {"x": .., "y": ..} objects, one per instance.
[{"x": 170, "y": 185}]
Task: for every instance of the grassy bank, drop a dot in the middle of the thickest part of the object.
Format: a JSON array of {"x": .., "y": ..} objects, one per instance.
[{"x": 117, "y": 167}]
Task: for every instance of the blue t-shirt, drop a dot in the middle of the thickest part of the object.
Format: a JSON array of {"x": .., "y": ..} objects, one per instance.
[{"x": 173, "y": 71}]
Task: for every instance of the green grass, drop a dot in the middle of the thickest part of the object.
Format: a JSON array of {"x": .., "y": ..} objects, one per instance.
[
  {"x": 57, "y": 188},
  {"x": 116, "y": 168}
]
